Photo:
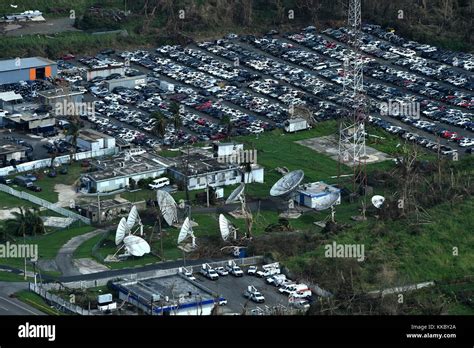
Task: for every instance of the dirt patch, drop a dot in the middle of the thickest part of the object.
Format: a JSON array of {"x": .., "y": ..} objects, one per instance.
[
  {"x": 6, "y": 213},
  {"x": 87, "y": 266},
  {"x": 66, "y": 194}
]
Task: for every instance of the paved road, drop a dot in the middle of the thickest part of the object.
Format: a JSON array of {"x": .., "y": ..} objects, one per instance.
[
  {"x": 12, "y": 306},
  {"x": 64, "y": 259}
]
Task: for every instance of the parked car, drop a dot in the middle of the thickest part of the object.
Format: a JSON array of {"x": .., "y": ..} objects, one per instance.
[
  {"x": 6, "y": 181},
  {"x": 252, "y": 270}
]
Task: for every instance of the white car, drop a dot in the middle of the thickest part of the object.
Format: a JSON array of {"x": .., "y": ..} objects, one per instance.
[
  {"x": 252, "y": 270},
  {"x": 222, "y": 271},
  {"x": 159, "y": 183}
]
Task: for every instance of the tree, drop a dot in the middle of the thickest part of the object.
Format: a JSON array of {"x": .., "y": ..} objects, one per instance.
[
  {"x": 26, "y": 221},
  {"x": 159, "y": 127},
  {"x": 225, "y": 121},
  {"x": 73, "y": 132},
  {"x": 177, "y": 120}
]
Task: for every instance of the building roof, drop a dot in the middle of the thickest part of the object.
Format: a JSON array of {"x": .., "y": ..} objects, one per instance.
[
  {"x": 179, "y": 291},
  {"x": 198, "y": 164},
  {"x": 317, "y": 189},
  {"x": 58, "y": 93},
  {"x": 25, "y": 63},
  {"x": 8, "y": 148},
  {"x": 92, "y": 135},
  {"x": 121, "y": 166},
  {"x": 10, "y": 96}
]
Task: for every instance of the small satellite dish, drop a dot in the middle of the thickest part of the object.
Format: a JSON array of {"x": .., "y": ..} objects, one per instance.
[
  {"x": 122, "y": 230},
  {"x": 236, "y": 194},
  {"x": 286, "y": 185},
  {"x": 136, "y": 246},
  {"x": 226, "y": 228},
  {"x": 326, "y": 201},
  {"x": 168, "y": 207},
  {"x": 378, "y": 201},
  {"x": 186, "y": 231}
]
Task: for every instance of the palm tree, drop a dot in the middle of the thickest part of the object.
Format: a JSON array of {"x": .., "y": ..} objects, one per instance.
[
  {"x": 159, "y": 127},
  {"x": 73, "y": 131},
  {"x": 26, "y": 221},
  {"x": 177, "y": 120},
  {"x": 225, "y": 121}
]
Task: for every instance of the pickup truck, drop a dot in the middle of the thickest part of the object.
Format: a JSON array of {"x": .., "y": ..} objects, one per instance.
[
  {"x": 252, "y": 270},
  {"x": 235, "y": 270},
  {"x": 209, "y": 273},
  {"x": 268, "y": 272},
  {"x": 254, "y": 295}
]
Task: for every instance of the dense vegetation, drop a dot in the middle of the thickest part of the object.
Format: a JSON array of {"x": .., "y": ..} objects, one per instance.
[{"x": 444, "y": 22}]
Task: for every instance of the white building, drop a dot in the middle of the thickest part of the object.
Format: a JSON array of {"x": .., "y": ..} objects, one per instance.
[
  {"x": 316, "y": 194},
  {"x": 92, "y": 140}
]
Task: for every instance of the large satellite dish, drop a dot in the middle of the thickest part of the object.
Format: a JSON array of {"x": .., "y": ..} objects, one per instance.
[
  {"x": 122, "y": 230},
  {"x": 136, "y": 246},
  {"x": 327, "y": 201},
  {"x": 286, "y": 185},
  {"x": 168, "y": 207},
  {"x": 186, "y": 231},
  {"x": 236, "y": 194},
  {"x": 378, "y": 201},
  {"x": 133, "y": 217},
  {"x": 226, "y": 228}
]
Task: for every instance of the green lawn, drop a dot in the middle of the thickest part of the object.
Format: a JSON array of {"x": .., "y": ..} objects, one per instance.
[
  {"x": 36, "y": 301},
  {"x": 47, "y": 184}
]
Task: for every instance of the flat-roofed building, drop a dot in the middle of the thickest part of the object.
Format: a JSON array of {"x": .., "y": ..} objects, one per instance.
[{"x": 26, "y": 69}]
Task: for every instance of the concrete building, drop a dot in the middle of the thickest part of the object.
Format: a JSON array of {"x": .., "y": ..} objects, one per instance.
[
  {"x": 117, "y": 173},
  {"x": 31, "y": 122},
  {"x": 203, "y": 170},
  {"x": 127, "y": 82},
  {"x": 105, "y": 71},
  {"x": 26, "y": 69},
  {"x": 92, "y": 140},
  {"x": 168, "y": 295},
  {"x": 60, "y": 99},
  {"x": 316, "y": 194},
  {"x": 9, "y": 151}
]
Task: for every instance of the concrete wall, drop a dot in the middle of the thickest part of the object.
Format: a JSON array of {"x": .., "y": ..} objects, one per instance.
[
  {"x": 105, "y": 72},
  {"x": 128, "y": 82}
]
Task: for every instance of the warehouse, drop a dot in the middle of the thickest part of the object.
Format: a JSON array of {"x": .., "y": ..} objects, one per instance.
[
  {"x": 105, "y": 71},
  {"x": 127, "y": 82},
  {"x": 26, "y": 69},
  {"x": 168, "y": 295}
]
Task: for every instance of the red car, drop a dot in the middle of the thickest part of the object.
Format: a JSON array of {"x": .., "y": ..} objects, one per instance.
[{"x": 68, "y": 56}]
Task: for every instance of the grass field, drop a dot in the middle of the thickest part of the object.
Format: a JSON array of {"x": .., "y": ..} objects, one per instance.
[
  {"x": 47, "y": 184},
  {"x": 36, "y": 301}
]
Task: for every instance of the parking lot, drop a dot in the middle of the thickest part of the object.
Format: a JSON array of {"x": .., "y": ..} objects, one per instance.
[
  {"x": 248, "y": 85},
  {"x": 232, "y": 289}
]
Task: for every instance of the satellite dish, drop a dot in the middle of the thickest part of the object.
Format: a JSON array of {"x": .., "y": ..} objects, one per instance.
[
  {"x": 327, "y": 201},
  {"x": 136, "y": 246},
  {"x": 226, "y": 228},
  {"x": 168, "y": 207},
  {"x": 286, "y": 185},
  {"x": 378, "y": 201},
  {"x": 122, "y": 230},
  {"x": 236, "y": 194},
  {"x": 186, "y": 231},
  {"x": 133, "y": 217}
]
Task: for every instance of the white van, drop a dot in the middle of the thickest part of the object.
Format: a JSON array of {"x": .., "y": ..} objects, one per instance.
[{"x": 159, "y": 183}]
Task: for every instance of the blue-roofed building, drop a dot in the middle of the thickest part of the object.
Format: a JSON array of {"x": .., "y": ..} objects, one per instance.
[{"x": 26, "y": 69}]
